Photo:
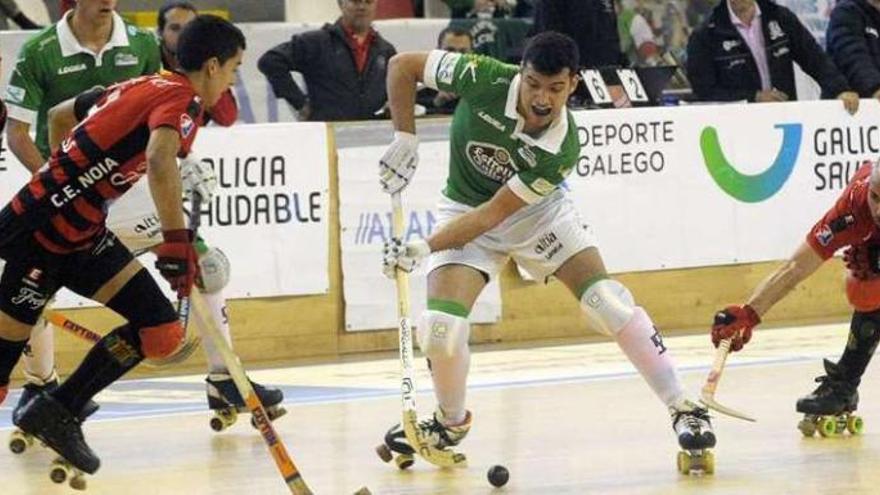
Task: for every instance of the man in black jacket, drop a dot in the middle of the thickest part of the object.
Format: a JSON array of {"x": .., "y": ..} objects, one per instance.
[
  {"x": 344, "y": 66},
  {"x": 853, "y": 41},
  {"x": 592, "y": 24},
  {"x": 746, "y": 51}
]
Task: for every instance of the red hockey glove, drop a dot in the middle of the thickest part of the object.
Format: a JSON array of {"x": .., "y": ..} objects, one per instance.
[
  {"x": 177, "y": 260},
  {"x": 734, "y": 322},
  {"x": 863, "y": 260}
]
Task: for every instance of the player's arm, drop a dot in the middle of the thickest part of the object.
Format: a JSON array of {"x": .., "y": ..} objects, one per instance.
[
  {"x": 405, "y": 71},
  {"x": 164, "y": 177},
  {"x": 737, "y": 321},
  {"x": 22, "y": 146},
  {"x": 468, "y": 226},
  {"x": 63, "y": 117}
]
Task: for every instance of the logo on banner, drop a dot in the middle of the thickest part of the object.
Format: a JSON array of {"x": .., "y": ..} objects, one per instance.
[{"x": 751, "y": 188}]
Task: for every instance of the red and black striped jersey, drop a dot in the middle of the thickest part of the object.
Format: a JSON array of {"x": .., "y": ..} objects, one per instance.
[{"x": 66, "y": 201}]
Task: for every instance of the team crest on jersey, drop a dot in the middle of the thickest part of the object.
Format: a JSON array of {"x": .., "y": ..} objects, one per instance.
[
  {"x": 824, "y": 235},
  {"x": 491, "y": 160},
  {"x": 186, "y": 125}
]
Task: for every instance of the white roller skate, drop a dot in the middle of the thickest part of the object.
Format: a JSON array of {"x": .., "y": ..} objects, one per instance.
[
  {"x": 695, "y": 436},
  {"x": 435, "y": 431}
]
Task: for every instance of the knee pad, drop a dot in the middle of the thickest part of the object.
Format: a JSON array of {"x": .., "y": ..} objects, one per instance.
[
  {"x": 442, "y": 335},
  {"x": 214, "y": 271},
  {"x": 608, "y": 305},
  {"x": 162, "y": 340},
  {"x": 864, "y": 295}
]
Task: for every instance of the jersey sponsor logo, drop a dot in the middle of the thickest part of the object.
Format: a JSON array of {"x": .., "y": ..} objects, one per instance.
[
  {"x": 491, "y": 120},
  {"x": 526, "y": 153},
  {"x": 32, "y": 278},
  {"x": 15, "y": 94},
  {"x": 186, "y": 125},
  {"x": 775, "y": 30},
  {"x": 30, "y": 298},
  {"x": 491, "y": 160},
  {"x": 70, "y": 69},
  {"x": 446, "y": 67},
  {"x": 824, "y": 235},
  {"x": 751, "y": 188},
  {"x": 125, "y": 59},
  {"x": 542, "y": 186},
  {"x": 88, "y": 178}
]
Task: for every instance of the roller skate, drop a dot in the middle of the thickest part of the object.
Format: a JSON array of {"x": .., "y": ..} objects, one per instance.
[
  {"x": 695, "y": 436},
  {"x": 226, "y": 402},
  {"x": 20, "y": 441},
  {"x": 829, "y": 409},
  {"x": 397, "y": 448},
  {"x": 46, "y": 419}
]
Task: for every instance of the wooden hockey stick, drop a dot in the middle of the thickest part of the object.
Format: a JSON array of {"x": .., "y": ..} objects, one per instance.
[
  {"x": 707, "y": 395},
  {"x": 438, "y": 457}
]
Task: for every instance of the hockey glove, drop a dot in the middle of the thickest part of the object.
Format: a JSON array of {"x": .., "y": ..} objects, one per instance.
[
  {"x": 403, "y": 256},
  {"x": 736, "y": 323},
  {"x": 398, "y": 165},
  {"x": 863, "y": 260},
  {"x": 177, "y": 260}
]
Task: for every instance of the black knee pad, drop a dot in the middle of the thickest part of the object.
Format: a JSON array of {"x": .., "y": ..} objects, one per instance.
[
  {"x": 142, "y": 303},
  {"x": 864, "y": 335}
]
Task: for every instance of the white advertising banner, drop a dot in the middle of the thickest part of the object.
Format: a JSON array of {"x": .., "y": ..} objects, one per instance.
[
  {"x": 270, "y": 216},
  {"x": 365, "y": 223},
  {"x": 710, "y": 185}
]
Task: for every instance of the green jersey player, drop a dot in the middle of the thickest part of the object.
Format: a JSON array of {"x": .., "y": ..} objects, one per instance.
[{"x": 512, "y": 144}]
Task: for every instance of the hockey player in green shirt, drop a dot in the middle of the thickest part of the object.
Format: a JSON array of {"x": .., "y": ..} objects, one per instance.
[{"x": 512, "y": 143}]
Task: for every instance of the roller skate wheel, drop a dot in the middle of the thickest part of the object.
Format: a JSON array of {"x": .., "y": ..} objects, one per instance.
[
  {"x": 684, "y": 462},
  {"x": 855, "y": 425},
  {"x": 827, "y": 426},
  {"x": 217, "y": 424},
  {"x": 709, "y": 462},
  {"x": 404, "y": 461},
  {"x": 58, "y": 474},
  {"x": 384, "y": 453},
  {"x": 19, "y": 442},
  {"x": 78, "y": 483},
  {"x": 807, "y": 427}
]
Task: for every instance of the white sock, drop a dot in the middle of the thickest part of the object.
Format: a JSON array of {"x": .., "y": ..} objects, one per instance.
[
  {"x": 219, "y": 312},
  {"x": 644, "y": 347},
  {"x": 450, "y": 385},
  {"x": 39, "y": 356}
]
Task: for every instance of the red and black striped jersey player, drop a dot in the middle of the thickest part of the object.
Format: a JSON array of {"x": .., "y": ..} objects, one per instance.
[
  {"x": 53, "y": 233},
  {"x": 852, "y": 223}
]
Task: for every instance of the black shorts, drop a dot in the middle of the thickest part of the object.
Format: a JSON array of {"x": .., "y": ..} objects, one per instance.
[{"x": 33, "y": 275}]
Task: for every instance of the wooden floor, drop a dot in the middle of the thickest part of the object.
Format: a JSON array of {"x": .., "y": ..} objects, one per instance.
[{"x": 565, "y": 420}]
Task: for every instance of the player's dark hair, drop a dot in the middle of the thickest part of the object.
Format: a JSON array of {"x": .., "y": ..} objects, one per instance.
[
  {"x": 455, "y": 31},
  {"x": 205, "y": 37},
  {"x": 550, "y": 52},
  {"x": 161, "y": 21}
]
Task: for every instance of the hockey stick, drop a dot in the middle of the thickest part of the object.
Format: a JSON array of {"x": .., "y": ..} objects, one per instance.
[
  {"x": 439, "y": 457},
  {"x": 77, "y": 330},
  {"x": 707, "y": 395}
]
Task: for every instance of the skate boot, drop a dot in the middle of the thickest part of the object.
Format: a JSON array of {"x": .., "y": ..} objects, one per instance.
[
  {"x": 226, "y": 402},
  {"x": 20, "y": 441},
  {"x": 49, "y": 421},
  {"x": 829, "y": 409},
  {"x": 434, "y": 430},
  {"x": 695, "y": 436}
]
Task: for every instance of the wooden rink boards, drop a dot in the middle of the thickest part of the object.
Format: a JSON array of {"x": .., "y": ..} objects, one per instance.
[{"x": 568, "y": 419}]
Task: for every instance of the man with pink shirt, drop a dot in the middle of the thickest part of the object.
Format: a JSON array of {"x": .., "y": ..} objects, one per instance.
[{"x": 746, "y": 50}]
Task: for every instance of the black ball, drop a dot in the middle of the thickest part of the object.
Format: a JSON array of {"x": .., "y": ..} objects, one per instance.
[{"x": 498, "y": 475}]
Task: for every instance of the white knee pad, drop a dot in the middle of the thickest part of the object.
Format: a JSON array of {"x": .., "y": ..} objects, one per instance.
[
  {"x": 214, "y": 267},
  {"x": 608, "y": 305},
  {"x": 443, "y": 336}
]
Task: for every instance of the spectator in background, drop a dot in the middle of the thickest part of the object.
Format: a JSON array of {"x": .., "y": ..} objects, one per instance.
[
  {"x": 170, "y": 20},
  {"x": 343, "y": 64},
  {"x": 591, "y": 23},
  {"x": 853, "y": 42},
  {"x": 10, "y": 10},
  {"x": 452, "y": 39},
  {"x": 747, "y": 49},
  {"x": 60, "y": 62},
  {"x": 637, "y": 40},
  {"x": 66, "y": 5}
]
